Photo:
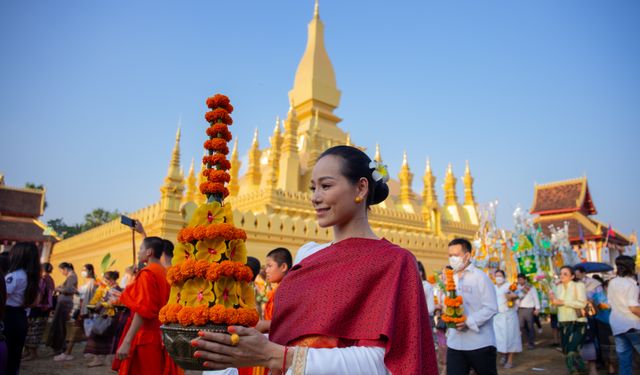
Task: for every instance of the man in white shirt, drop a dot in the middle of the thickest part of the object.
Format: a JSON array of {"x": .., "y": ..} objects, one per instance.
[
  {"x": 472, "y": 344},
  {"x": 528, "y": 308}
]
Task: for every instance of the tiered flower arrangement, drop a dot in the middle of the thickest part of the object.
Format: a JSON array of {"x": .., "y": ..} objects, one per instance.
[
  {"x": 210, "y": 283},
  {"x": 453, "y": 310}
]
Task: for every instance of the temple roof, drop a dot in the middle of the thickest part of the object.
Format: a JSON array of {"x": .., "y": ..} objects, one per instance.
[
  {"x": 21, "y": 202},
  {"x": 23, "y": 229},
  {"x": 592, "y": 229},
  {"x": 564, "y": 196}
]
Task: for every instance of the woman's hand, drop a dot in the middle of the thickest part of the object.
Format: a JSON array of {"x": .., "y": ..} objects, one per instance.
[
  {"x": 254, "y": 349},
  {"x": 557, "y": 302},
  {"x": 123, "y": 350}
]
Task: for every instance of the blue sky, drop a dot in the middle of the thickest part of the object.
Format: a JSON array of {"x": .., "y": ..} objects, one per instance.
[{"x": 527, "y": 91}]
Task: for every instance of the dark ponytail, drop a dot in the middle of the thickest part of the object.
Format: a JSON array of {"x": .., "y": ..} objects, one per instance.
[{"x": 356, "y": 166}]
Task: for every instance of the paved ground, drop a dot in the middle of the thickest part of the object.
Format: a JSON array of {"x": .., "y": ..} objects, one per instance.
[{"x": 542, "y": 360}]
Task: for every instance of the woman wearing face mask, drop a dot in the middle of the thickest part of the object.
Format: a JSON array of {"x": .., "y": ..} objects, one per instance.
[
  {"x": 571, "y": 298},
  {"x": 505, "y": 323},
  {"x": 359, "y": 298}
]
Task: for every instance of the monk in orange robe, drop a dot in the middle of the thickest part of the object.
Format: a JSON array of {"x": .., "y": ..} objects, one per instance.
[{"x": 141, "y": 350}]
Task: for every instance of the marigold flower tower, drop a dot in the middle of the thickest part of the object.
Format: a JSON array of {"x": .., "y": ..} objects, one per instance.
[
  {"x": 453, "y": 309},
  {"x": 210, "y": 282}
]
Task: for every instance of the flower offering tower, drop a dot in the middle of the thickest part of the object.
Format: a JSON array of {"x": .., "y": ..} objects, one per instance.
[{"x": 210, "y": 282}]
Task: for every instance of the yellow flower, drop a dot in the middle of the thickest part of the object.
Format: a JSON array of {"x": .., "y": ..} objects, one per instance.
[
  {"x": 196, "y": 292},
  {"x": 237, "y": 251},
  {"x": 228, "y": 213},
  {"x": 207, "y": 213},
  {"x": 226, "y": 293},
  {"x": 210, "y": 250},
  {"x": 181, "y": 253},
  {"x": 174, "y": 296},
  {"x": 247, "y": 295}
]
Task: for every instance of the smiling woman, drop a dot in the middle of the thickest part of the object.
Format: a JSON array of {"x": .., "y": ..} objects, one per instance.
[{"x": 373, "y": 317}]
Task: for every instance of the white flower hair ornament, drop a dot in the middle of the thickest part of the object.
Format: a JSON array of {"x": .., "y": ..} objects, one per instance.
[{"x": 380, "y": 171}]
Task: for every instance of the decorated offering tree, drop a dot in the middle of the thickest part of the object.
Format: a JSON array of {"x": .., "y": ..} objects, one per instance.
[
  {"x": 453, "y": 310},
  {"x": 210, "y": 282}
]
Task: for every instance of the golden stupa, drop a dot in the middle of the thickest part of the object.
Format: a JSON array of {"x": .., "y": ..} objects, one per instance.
[{"x": 271, "y": 201}]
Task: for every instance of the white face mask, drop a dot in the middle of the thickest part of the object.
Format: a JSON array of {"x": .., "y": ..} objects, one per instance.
[
  {"x": 499, "y": 279},
  {"x": 83, "y": 274},
  {"x": 456, "y": 263}
]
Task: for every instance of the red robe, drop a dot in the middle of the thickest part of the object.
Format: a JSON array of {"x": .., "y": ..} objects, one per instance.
[
  {"x": 148, "y": 293},
  {"x": 358, "y": 292}
]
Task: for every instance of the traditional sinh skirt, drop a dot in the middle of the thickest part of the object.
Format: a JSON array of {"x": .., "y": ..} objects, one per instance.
[{"x": 37, "y": 322}]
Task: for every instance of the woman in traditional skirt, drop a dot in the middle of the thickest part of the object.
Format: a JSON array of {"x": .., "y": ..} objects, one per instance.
[
  {"x": 39, "y": 313},
  {"x": 100, "y": 345}
]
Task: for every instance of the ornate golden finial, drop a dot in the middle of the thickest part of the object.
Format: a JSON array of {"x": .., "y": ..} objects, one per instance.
[
  {"x": 290, "y": 141},
  {"x": 276, "y": 129},
  {"x": 274, "y": 155},
  {"x": 253, "y": 169},
  {"x": 348, "y": 142},
  {"x": 429, "y": 192},
  {"x": 174, "y": 166},
  {"x": 173, "y": 187},
  {"x": 289, "y": 168},
  {"x": 377, "y": 157},
  {"x": 201, "y": 198},
  {"x": 406, "y": 178},
  {"x": 234, "y": 186},
  {"x": 190, "y": 182},
  {"x": 316, "y": 10},
  {"x": 450, "y": 196},
  {"x": 468, "y": 186}
]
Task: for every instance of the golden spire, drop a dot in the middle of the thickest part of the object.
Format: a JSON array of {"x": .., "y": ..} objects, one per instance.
[
  {"x": 274, "y": 155},
  {"x": 171, "y": 190},
  {"x": 450, "y": 197},
  {"x": 192, "y": 188},
  {"x": 233, "y": 185},
  {"x": 468, "y": 186},
  {"x": 429, "y": 192},
  {"x": 314, "y": 141},
  {"x": 377, "y": 157},
  {"x": 406, "y": 178},
  {"x": 201, "y": 198},
  {"x": 289, "y": 170},
  {"x": 290, "y": 141},
  {"x": 348, "y": 142},
  {"x": 253, "y": 169},
  {"x": 315, "y": 78},
  {"x": 174, "y": 165}
]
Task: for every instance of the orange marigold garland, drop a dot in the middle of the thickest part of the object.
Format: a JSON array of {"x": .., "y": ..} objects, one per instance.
[
  {"x": 218, "y": 160},
  {"x": 236, "y": 275},
  {"x": 453, "y": 309}
]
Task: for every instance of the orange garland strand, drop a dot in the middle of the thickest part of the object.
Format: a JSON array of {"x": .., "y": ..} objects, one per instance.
[{"x": 201, "y": 315}]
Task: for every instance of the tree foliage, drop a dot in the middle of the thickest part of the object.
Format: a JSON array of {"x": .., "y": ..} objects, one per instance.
[{"x": 96, "y": 217}]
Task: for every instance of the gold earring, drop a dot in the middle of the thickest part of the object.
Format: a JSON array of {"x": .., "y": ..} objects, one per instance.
[{"x": 358, "y": 199}]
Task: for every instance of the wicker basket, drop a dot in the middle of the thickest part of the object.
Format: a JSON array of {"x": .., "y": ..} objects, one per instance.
[{"x": 177, "y": 339}]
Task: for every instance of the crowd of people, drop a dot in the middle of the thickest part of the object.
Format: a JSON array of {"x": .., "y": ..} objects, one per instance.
[
  {"x": 595, "y": 322},
  {"x": 357, "y": 305}
]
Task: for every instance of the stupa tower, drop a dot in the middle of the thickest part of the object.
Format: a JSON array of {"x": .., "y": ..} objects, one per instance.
[{"x": 315, "y": 96}]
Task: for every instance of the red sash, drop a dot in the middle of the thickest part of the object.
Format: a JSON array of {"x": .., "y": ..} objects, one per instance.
[{"x": 359, "y": 290}]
